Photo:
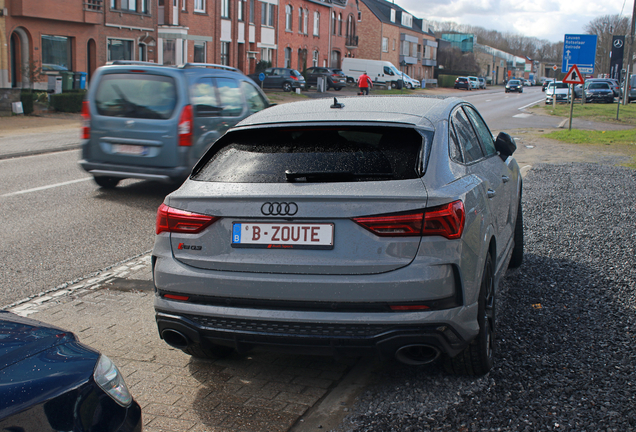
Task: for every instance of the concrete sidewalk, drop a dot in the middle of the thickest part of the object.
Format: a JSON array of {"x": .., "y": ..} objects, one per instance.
[{"x": 113, "y": 312}]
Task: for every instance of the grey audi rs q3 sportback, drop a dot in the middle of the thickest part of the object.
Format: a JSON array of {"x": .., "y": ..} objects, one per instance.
[{"x": 353, "y": 226}]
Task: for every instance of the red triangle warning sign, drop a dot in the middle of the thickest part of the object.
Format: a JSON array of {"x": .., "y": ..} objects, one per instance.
[{"x": 574, "y": 76}]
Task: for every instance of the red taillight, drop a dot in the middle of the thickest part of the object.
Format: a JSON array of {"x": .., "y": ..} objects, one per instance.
[
  {"x": 86, "y": 120},
  {"x": 186, "y": 126},
  {"x": 446, "y": 220},
  {"x": 293, "y": 77},
  {"x": 176, "y": 297},
  {"x": 180, "y": 221},
  {"x": 393, "y": 226}
]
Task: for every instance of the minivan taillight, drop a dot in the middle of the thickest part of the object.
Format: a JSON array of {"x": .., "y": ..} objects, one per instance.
[
  {"x": 86, "y": 120},
  {"x": 180, "y": 221},
  {"x": 446, "y": 220},
  {"x": 293, "y": 77},
  {"x": 186, "y": 126}
]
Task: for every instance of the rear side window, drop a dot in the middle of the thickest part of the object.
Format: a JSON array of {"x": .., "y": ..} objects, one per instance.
[
  {"x": 229, "y": 97},
  {"x": 314, "y": 155},
  {"x": 466, "y": 137},
  {"x": 255, "y": 101},
  {"x": 136, "y": 96}
]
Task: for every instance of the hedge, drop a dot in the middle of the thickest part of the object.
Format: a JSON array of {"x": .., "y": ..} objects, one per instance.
[
  {"x": 68, "y": 101},
  {"x": 446, "y": 80},
  {"x": 27, "y": 97}
]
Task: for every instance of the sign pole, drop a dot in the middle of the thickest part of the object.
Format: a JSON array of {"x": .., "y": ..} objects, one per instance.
[{"x": 571, "y": 105}]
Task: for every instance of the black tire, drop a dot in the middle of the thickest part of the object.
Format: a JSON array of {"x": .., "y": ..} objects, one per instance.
[
  {"x": 287, "y": 87},
  {"x": 107, "y": 182},
  {"x": 477, "y": 358},
  {"x": 208, "y": 351},
  {"x": 394, "y": 84},
  {"x": 337, "y": 88},
  {"x": 517, "y": 251}
]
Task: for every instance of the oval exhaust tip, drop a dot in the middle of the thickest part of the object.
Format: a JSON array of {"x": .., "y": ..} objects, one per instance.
[
  {"x": 416, "y": 355},
  {"x": 175, "y": 339}
]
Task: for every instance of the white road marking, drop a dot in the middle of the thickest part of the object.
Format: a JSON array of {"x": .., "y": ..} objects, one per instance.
[
  {"x": 37, "y": 189},
  {"x": 530, "y": 104},
  {"x": 523, "y": 115}
]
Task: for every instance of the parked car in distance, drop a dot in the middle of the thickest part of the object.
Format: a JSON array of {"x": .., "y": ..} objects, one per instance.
[
  {"x": 631, "y": 88},
  {"x": 344, "y": 227},
  {"x": 482, "y": 82},
  {"x": 49, "y": 381},
  {"x": 285, "y": 79},
  {"x": 545, "y": 85},
  {"x": 463, "y": 82},
  {"x": 596, "y": 91},
  {"x": 514, "y": 85},
  {"x": 560, "y": 89},
  {"x": 613, "y": 84},
  {"x": 335, "y": 79},
  {"x": 152, "y": 122},
  {"x": 527, "y": 83},
  {"x": 474, "y": 82},
  {"x": 410, "y": 83}
]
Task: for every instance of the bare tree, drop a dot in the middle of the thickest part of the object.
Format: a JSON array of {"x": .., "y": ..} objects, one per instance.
[{"x": 604, "y": 27}]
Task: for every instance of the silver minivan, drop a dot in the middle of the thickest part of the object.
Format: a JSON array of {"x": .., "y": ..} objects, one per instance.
[{"x": 153, "y": 122}]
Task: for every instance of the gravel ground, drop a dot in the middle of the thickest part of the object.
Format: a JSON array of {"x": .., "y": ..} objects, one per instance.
[{"x": 566, "y": 321}]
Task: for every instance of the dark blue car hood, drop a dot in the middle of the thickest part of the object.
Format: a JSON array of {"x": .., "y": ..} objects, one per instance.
[{"x": 21, "y": 338}]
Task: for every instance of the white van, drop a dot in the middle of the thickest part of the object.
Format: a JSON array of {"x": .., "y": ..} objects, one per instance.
[{"x": 381, "y": 72}]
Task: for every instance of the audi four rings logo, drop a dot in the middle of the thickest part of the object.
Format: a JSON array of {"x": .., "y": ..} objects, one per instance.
[{"x": 279, "y": 209}]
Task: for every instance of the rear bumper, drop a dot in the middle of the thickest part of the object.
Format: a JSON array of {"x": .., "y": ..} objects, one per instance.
[
  {"x": 166, "y": 175},
  {"x": 350, "y": 337}
]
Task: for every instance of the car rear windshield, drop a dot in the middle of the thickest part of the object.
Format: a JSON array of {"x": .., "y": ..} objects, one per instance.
[
  {"x": 559, "y": 85},
  {"x": 280, "y": 155},
  {"x": 136, "y": 96},
  {"x": 599, "y": 86},
  {"x": 295, "y": 73}
]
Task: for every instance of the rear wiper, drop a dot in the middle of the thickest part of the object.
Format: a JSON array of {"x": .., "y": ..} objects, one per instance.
[{"x": 318, "y": 176}]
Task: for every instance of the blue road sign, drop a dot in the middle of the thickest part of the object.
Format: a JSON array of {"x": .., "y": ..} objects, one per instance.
[
  {"x": 579, "y": 50},
  {"x": 261, "y": 76}
]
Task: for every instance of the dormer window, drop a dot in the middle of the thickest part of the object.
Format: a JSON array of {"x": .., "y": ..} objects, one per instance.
[
  {"x": 392, "y": 15},
  {"x": 407, "y": 20}
]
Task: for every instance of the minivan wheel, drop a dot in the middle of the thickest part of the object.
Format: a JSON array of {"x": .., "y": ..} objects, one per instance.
[
  {"x": 477, "y": 358},
  {"x": 287, "y": 87},
  {"x": 208, "y": 351},
  {"x": 107, "y": 182}
]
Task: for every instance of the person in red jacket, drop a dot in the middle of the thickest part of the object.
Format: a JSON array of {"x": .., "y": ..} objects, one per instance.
[{"x": 364, "y": 82}]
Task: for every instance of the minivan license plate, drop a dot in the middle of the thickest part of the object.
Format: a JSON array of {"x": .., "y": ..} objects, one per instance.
[
  {"x": 130, "y": 149},
  {"x": 283, "y": 235}
]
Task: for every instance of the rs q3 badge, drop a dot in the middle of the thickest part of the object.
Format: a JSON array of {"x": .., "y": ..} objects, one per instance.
[{"x": 188, "y": 247}]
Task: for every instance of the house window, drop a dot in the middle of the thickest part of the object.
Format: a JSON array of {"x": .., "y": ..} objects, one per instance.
[
  {"x": 56, "y": 51},
  {"x": 306, "y": 22},
  {"x": 169, "y": 52},
  {"x": 333, "y": 22},
  {"x": 316, "y": 23},
  {"x": 225, "y": 53},
  {"x": 199, "y": 52},
  {"x": 405, "y": 48},
  {"x": 225, "y": 8},
  {"x": 144, "y": 6},
  {"x": 264, "y": 14},
  {"x": 272, "y": 15},
  {"x": 112, "y": 4},
  {"x": 392, "y": 15},
  {"x": 407, "y": 20},
  {"x": 251, "y": 11},
  {"x": 199, "y": 5},
  {"x": 339, "y": 24},
  {"x": 300, "y": 20},
  {"x": 314, "y": 60},
  {"x": 183, "y": 5},
  {"x": 289, "y": 13},
  {"x": 129, "y": 5},
  {"x": 239, "y": 10},
  {"x": 288, "y": 52},
  {"x": 120, "y": 49},
  {"x": 385, "y": 44},
  {"x": 393, "y": 44}
]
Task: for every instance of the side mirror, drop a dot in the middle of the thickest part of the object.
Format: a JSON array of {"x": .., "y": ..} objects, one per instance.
[{"x": 505, "y": 145}]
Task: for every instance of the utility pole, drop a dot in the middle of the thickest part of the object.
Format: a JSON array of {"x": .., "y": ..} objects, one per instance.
[{"x": 630, "y": 62}]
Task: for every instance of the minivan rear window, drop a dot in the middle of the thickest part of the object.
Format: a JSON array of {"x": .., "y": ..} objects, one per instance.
[
  {"x": 314, "y": 155},
  {"x": 136, "y": 96}
]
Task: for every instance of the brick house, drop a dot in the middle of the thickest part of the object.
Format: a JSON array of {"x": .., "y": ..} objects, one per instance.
[
  {"x": 316, "y": 33},
  {"x": 74, "y": 35},
  {"x": 388, "y": 32}
]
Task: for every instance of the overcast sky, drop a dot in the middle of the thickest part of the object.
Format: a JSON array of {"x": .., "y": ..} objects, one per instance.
[{"x": 544, "y": 19}]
